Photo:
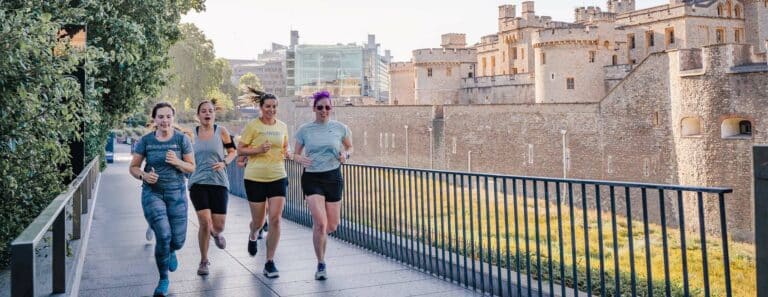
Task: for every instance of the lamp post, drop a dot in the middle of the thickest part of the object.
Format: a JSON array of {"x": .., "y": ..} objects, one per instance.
[
  {"x": 431, "y": 161},
  {"x": 407, "y": 155}
]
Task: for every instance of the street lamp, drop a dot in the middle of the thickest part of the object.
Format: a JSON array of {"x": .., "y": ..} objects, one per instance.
[
  {"x": 431, "y": 162},
  {"x": 407, "y": 155}
]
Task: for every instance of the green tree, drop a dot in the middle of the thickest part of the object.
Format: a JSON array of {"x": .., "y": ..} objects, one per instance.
[
  {"x": 195, "y": 73},
  {"x": 42, "y": 106},
  {"x": 251, "y": 80}
]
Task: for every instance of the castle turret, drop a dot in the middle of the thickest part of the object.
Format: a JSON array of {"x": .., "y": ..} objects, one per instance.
[
  {"x": 528, "y": 10},
  {"x": 756, "y": 24},
  {"x": 586, "y": 49},
  {"x": 621, "y": 6},
  {"x": 453, "y": 40},
  {"x": 439, "y": 73}
]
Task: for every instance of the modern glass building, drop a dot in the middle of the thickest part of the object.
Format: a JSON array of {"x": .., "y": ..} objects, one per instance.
[
  {"x": 336, "y": 68},
  {"x": 346, "y": 70}
]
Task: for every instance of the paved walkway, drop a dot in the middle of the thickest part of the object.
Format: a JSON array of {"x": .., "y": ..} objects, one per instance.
[{"x": 120, "y": 262}]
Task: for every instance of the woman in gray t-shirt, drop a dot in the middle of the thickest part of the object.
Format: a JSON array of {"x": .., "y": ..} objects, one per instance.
[
  {"x": 169, "y": 157},
  {"x": 326, "y": 145}
]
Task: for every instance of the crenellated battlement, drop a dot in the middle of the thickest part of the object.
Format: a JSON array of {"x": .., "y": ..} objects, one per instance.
[
  {"x": 440, "y": 55},
  {"x": 579, "y": 35},
  {"x": 400, "y": 66},
  {"x": 620, "y": 6},
  {"x": 591, "y": 14}
]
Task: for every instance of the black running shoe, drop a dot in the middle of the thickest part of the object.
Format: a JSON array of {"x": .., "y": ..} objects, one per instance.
[
  {"x": 252, "y": 249},
  {"x": 270, "y": 270}
]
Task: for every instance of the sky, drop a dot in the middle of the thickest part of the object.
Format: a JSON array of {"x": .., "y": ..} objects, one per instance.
[{"x": 240, "y": 29}]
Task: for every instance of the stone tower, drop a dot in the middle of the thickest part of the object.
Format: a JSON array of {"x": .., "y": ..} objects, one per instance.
[{"x": 621, "y": 6}]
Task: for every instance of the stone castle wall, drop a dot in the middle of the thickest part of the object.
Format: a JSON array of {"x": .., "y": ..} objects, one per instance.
[{"x": 633, "y": 134}]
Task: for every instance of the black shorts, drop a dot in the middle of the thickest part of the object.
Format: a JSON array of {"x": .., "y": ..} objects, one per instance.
[
  {"x": 329, "y": 184},
  {"x": 209, "y": 197},
  {"x": 260, "y": 191}
]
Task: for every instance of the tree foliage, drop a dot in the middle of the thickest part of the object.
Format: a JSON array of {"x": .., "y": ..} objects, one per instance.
[
  {"x": 196, "y": 74},
  {"x": 41, "y": 103},
  {"x": 251, "y": 80}
]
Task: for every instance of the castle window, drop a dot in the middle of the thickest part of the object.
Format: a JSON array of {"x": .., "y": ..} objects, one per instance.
[
  {"x": 649, "y": 42},
  {"x": 448, "y": 71},
  {"x": 514, "y": 53},
  {"x": 690, "y": 126},
  {"x": 429, "y": 72},
  {"x": 522, "y": 53},
  {"x": 615, "y": 60},
  {"x": 720, "y": 35},
  {"x": 484, "y": 68},
  {"x": 719, "y": 10},
  {"x": 670, "y": 36},
  {"x": 469, "y": 74},
  {"x": 592, "y": 56},
  {"x": 736, "y": 128},
  {"x": 737, "y": 11},
  {"x": 493, "y": 65},
  {"x": 570, "y": 83},
  {"x": 728, "y": 7},
  {"x": 631, "y": 40},
  {"x": 737, "y": 34},
  {"x": 543, "y": 58}
]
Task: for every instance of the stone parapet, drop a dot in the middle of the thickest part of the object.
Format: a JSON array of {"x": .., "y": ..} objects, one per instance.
[{"x": 439, "y": 55}]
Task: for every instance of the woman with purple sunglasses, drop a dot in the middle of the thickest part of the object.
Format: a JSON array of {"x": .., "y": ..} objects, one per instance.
[{"x": 325, "y": 144}]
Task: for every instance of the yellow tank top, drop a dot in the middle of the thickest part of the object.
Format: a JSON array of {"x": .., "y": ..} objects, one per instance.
[{"x": 270, "y": 166}]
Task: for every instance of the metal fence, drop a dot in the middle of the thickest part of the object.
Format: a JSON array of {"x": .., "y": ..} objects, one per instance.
[
  {"x": 528, "y": 236},
  {"x": 32, "y": 244}
]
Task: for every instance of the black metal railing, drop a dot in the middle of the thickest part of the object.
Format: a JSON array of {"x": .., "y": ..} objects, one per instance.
[
  {"x": 47, "y": 236},
  {"x": 529, "y": 236}
]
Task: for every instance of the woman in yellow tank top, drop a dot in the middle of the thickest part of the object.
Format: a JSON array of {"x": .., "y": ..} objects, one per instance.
[{"x": 265, "y": 142}]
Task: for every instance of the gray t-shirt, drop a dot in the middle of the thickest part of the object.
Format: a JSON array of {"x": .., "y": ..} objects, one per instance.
[
  {"x": 322, "y": 144},
  {"x": 154, "y": 154}
]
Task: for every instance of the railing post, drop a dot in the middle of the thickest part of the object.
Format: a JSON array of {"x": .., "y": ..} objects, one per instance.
[
  {"x": 22, "y": 270},
  {"x": 59, "y": 253},
  {"x": 760, "y": 198},
  {"x": 77, "y": 211}
]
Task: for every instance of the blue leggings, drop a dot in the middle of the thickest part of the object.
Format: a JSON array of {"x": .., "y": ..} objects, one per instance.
[{"x": 166, "y": 213}]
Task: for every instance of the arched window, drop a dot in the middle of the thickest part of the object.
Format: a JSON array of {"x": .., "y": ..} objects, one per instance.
[
  {"x": 737, "y": 11},
  {"x": 690, "y": 126},
  {"x": 736, "y": 127},
  {"x": 728, "y": 7},
  {"x": 745, "y": 128},
  {"x": 719, "y": 10}
]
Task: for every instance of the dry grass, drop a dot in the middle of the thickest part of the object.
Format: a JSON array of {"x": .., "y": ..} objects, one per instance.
[{"x": 445, "y": 208}]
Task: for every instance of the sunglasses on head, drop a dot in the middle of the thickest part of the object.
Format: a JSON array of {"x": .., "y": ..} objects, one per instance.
[{"x": 320, "y": 107}]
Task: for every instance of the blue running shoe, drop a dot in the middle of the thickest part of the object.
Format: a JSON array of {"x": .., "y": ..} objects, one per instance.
[
  {"x": 173, "y": 263},
  {"x": 270, "y": 270},
  {"x": 321, "y": 274},
  {"x": 162, "y": 288}
]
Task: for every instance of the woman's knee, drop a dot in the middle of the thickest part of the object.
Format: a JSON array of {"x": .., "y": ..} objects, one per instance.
[
  {"x": 320, "y": 226},
  {"x": 177, "y": 244},
  {"x": 331, "y": 227}
]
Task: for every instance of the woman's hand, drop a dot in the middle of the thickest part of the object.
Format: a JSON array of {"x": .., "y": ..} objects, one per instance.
[
  {"x": 302, "y": 160},
  {"x": 265, "y": 147},
  {"x": 219, "y": 166},
  {"x": 242, "y": 161},
  {"x": 170, "y": 158},
  {"x": 150, "y": 177}
]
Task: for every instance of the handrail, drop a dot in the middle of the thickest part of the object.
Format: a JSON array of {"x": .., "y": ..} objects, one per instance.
[
  {"x": 53, "y": 216},
  {"x": 510, "y": 235},
  {"x": 715, "y": 190}
]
